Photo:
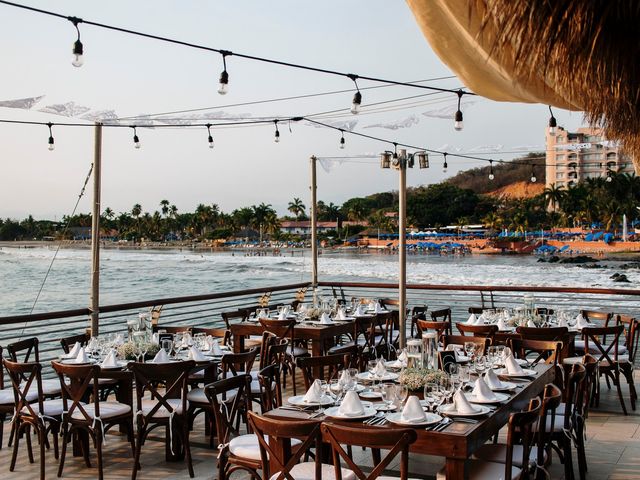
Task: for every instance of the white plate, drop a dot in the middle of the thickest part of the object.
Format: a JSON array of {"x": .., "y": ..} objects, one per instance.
[
  {"x": 333, "y": 413},
  {"x": 526, "y": 373},
  {"x": 392, "y": 364},
  {"x": 119, "y": 364},
  {"x": 359, "y": 388},
  {"x": 507, "y": 387},
  {"x": 520, "y": 361},
  {"x": 371, "y": 394},
  {"x": 298, "y": 401},
  {"x": 367, "y": 376},
  {"x": 449, "y": 410},
  {"x": 431, "y": 418},
  {"x": 383, "y": 407},
  {"x": 320, "y": 324},
  {"x": 500, "y": 397},
  {"x": 345, "y": 319},
  {"x": 72, "y": 361}
]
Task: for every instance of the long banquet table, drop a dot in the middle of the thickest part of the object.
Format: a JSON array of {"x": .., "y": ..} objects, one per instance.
[{"x": 460, "y": 440}]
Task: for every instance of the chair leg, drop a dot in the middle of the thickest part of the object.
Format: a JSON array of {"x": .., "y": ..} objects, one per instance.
[
  {"x": 131, "y": 435},
  {"x": 55, "y": 431},
  {"x": 27, "y": 433},
  {"x": 42, "y": 435},
  {"x": 138, "y": 447},
  {"x": 616, "y": 380},
  {"x": 582, "y": 455},
  {"x": 65, "y": 440},
  {"x": 568, "y": 460},
  {"x": 14, "y": 455},
  {"x": 99, "y": 453},
  {"x": 3, "y": 417},
  {"x": 187, "y": 448}
]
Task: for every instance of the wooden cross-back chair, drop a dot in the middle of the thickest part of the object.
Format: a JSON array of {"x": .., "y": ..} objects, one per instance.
[
  {"x": 67, "y": 343},
  {"x": 7, "y": 403},
  {"x": 441, "y": 328},
  {"x": 283, "y": 464},
  {"x": 167, "y": 408},
  {"x": 217, "y": 333},
  {"x": 26, "y": 351},
  {"x": 232, "y": 364},
  {"x": 270, "y": 387},
  {"x": 329, "y": 366},
  {"x": 94, "y": 417},
  {"x": 482, "y": 343},
  {"x": 546, "y": 351},
  {"x": 419, "y": 312},
  {"x": 443, "y": 315},
  {"x": 285, "y": 329},
  {"x": 632, "y": 338},
  {"x": 230, "y": 402},
  {"x": 32, "y": 410},
  {"x": 487, "y": 331},
  {"x": 396, "y": 440}
]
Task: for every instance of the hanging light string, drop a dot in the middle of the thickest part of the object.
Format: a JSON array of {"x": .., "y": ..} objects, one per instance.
[
  {"x": 275, "y": 122},
  {"x": 78, "y": 49},
  {"x": 210, "y": 139},
  {"x": 51, "y": 140},
  {"x": 228, "y": 52},
  {"x": 223, "y": 88}
]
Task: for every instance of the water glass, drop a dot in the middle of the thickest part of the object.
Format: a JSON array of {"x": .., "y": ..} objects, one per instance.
[
  {"x": 469, "y": 348},
  {"x": 431, "y": 394},
  {"x": 464, "y": 372},
  {"x": 389, "y": 393},
  {"x": 402, "y": 392},
  {"x": 480, "y": 364}
]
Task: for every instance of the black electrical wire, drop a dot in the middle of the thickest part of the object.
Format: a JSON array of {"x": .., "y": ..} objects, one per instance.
[{"x": 223, "y": 52}]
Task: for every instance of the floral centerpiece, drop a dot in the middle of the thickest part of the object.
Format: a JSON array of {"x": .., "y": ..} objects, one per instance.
[
  {"x": 313, "y": 313},
  {"x": 127, "y": 351},
  {"x": 417, "y": 378}
]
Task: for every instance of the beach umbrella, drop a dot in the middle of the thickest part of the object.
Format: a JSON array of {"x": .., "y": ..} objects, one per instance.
[{"x": 577, "y": 55}]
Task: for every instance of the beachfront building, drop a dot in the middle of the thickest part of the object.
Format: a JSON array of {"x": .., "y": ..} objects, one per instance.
[
  {"x": 303, "y": 227},
  {"x": 573, "y": 157}
]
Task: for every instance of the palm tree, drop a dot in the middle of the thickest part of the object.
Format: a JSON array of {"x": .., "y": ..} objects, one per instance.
[
  {"x": 297, "y": 208},
  {"x": 136, "y": 211},
  {"x": 554, "y": 195},
  {"x": 164, "y": 204}
]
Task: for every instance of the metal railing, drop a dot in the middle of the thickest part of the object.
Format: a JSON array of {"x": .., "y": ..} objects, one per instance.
[{"x": 205, "y": 310}]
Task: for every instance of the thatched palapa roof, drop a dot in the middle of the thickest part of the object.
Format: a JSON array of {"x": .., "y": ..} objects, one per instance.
[{"x": 573, "y": 54}]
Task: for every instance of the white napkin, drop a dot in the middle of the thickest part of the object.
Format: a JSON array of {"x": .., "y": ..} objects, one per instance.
[
  {"x": 340, "y": 315},
  {"x": 73, "y": 353},
  {"x": 581, "y": 322},
  {"x": 502, "y": 325},
  {"x": 462, "y": 405},
  {"x": 513, "y": 368},
  {"x": 530, "y": 324},
  {"x": 287, "y": 310},
  {"x": 359, "y": 311},
  {"x": 351, "y": 405},
  {"x": 480, "y": 320},
  {"x": 492, "y": 380},
  {"x": 155, "y": 339},
  {"x": 562, "y": 322},
  {"x": 377, "y": 308},
  {"x": 215, "y": 348},
  {"x": 380, "y": 370},
  {"x": 344, "y": 378},
  {"x": 471, "y": 320},
  {"x": 505, "y": 353},
  {"x": 325, "y": 319},
  {"x": 110, "y": 360},
  {"x": 282, "y": 315},
  {"x": 314, "y": 394},
  {"x": 482, "y": 391},
  {"x": 196, "y": 355},
  {"x": 161, "y": 357},
  {"x": 412, "y": 411},
  {"x": 81, "y": 357},
  {"x": 119, "y": 339}
]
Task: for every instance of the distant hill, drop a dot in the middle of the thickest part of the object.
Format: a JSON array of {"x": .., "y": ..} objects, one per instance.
[{"x": 511, "y": 178}]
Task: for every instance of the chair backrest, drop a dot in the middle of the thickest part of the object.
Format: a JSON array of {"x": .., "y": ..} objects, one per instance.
[
  {"x": 270, "y": 385},
  {"x": 381, "y": 326},
  {"x": 82, "y": 384},
  {"x": 232, "y": 363},
  {"x": 487, "y": 331},
  {"x": 219, "y": 333},
  {"x": 25, "y": 378},
  {"x": 68, "y": 342},
  {"x": 521, "y": 427},
  {"x": 546, "y": 351},
  {"x": 175, "y": 378},
  {"x": 283, "y": 460},
  {"x": 419, "y": 312},
  {"x": 238, "y": 315},
  {"x": 603, "y": 352},
  {"x": 595, "y": 316},
  {"x": 280, "y": 328},
  {"x": 329, "y": 366},
  {"x": 631, "y": 334},
  {"x": 229, "y": 398},
  {"x": 268, "y": 339},
  {"x": 442, "y": 315},
  {"x": 560, "y": 334},
  {"x": 481, "y": 342},
  {"x": 552, "y": 397},
  {"x": 585, "y": 392},
  {"x": 353, "y": 353},
  {"x": 396, "y": 440},
  {"x": 476, "y": 310},
  {"x": 573, "y": 391},
  {"x": 25, "y": 347},
  {"x": 441, "y": 328}
]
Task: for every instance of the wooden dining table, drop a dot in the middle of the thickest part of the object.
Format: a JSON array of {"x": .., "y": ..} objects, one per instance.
[{"x": 459, "y": 440}]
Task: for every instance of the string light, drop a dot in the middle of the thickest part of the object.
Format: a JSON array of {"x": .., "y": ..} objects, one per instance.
[
  {"x": 78, "y": 49},
  {"x": 51, "y": 141},
  {"x": 342, "y": 139},
  {"x": 444, "y": 165},
  {"x": 210, "y": 139},
  {"x": 609, "y": 178},
  {"x": 552, "y": 123},
  {"x": 533, "y": 174},
  {"x": 277, "y": 134},
  {"x": 457, "y": 125},
  {"x": 395, "y": 161},
  {"x": 136, "y": 140},
  {"x": 223, "y": 87},
  {"x": 357, "y": 97},
  {"x": 491, "y": 175}
]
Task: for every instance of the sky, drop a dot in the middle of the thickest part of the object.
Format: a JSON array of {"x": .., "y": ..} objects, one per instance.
[{"x": 137, "y": 76}]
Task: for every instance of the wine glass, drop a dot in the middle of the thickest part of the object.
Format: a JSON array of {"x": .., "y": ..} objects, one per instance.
[
  {"x": 402, "y": 392},
  {"x": 388, "y": 391},
  {"x": 353, "y": 376},
  {"x": 469, "y": 348},
  {"x": 324, "y": 386},
  {"x": 431, "y": 394},
  {"x": 481, "y": 365}
]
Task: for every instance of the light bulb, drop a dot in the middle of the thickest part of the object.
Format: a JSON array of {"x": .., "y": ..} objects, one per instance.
[
  {"x": 210, "y": 141},
  {"x": 553, "y": 123},
  {"x": 342, "y": 143},
  {"x": 277, "y": 137},
  {"x": 552, "y": 131},
  {"x": 533, "y": 179},
  {"x": 52, "y": 146},
  {"x": 458, "y": 124},
  {"x": 444, "y": 167},
  {"x": 357, "y": 100},
  {"x": 78, "y": 59},
  {"x": 609, "y": 179},
  {"x": 491, "y": 176},
  {"x": 223, "y": 88},
  {"x": 136, "y": 142}
]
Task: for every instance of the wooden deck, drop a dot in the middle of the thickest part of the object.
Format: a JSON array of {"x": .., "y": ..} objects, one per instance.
[{"x": 613, "y": 452}]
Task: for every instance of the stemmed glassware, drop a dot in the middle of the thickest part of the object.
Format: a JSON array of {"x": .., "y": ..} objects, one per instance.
[
  {"x": 431, "y": 394},
  {"x": 389, "y": 394},
  {"x": 469, "y": 348}
]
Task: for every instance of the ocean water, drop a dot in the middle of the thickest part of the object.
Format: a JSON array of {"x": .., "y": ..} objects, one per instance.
[{"x": 131, "y": 275}]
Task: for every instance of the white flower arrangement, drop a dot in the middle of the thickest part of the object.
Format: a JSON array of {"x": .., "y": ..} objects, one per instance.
[{"x": 417, "y": 378}]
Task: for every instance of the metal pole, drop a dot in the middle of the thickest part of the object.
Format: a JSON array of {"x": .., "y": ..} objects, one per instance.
[
  {"x": 402, "y": 247},
  {"x": 95, "y": 233},
  {"x": 314, "y": 226}
]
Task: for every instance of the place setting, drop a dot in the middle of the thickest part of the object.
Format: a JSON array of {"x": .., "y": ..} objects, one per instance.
[{"x": 377, "y": 372}]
